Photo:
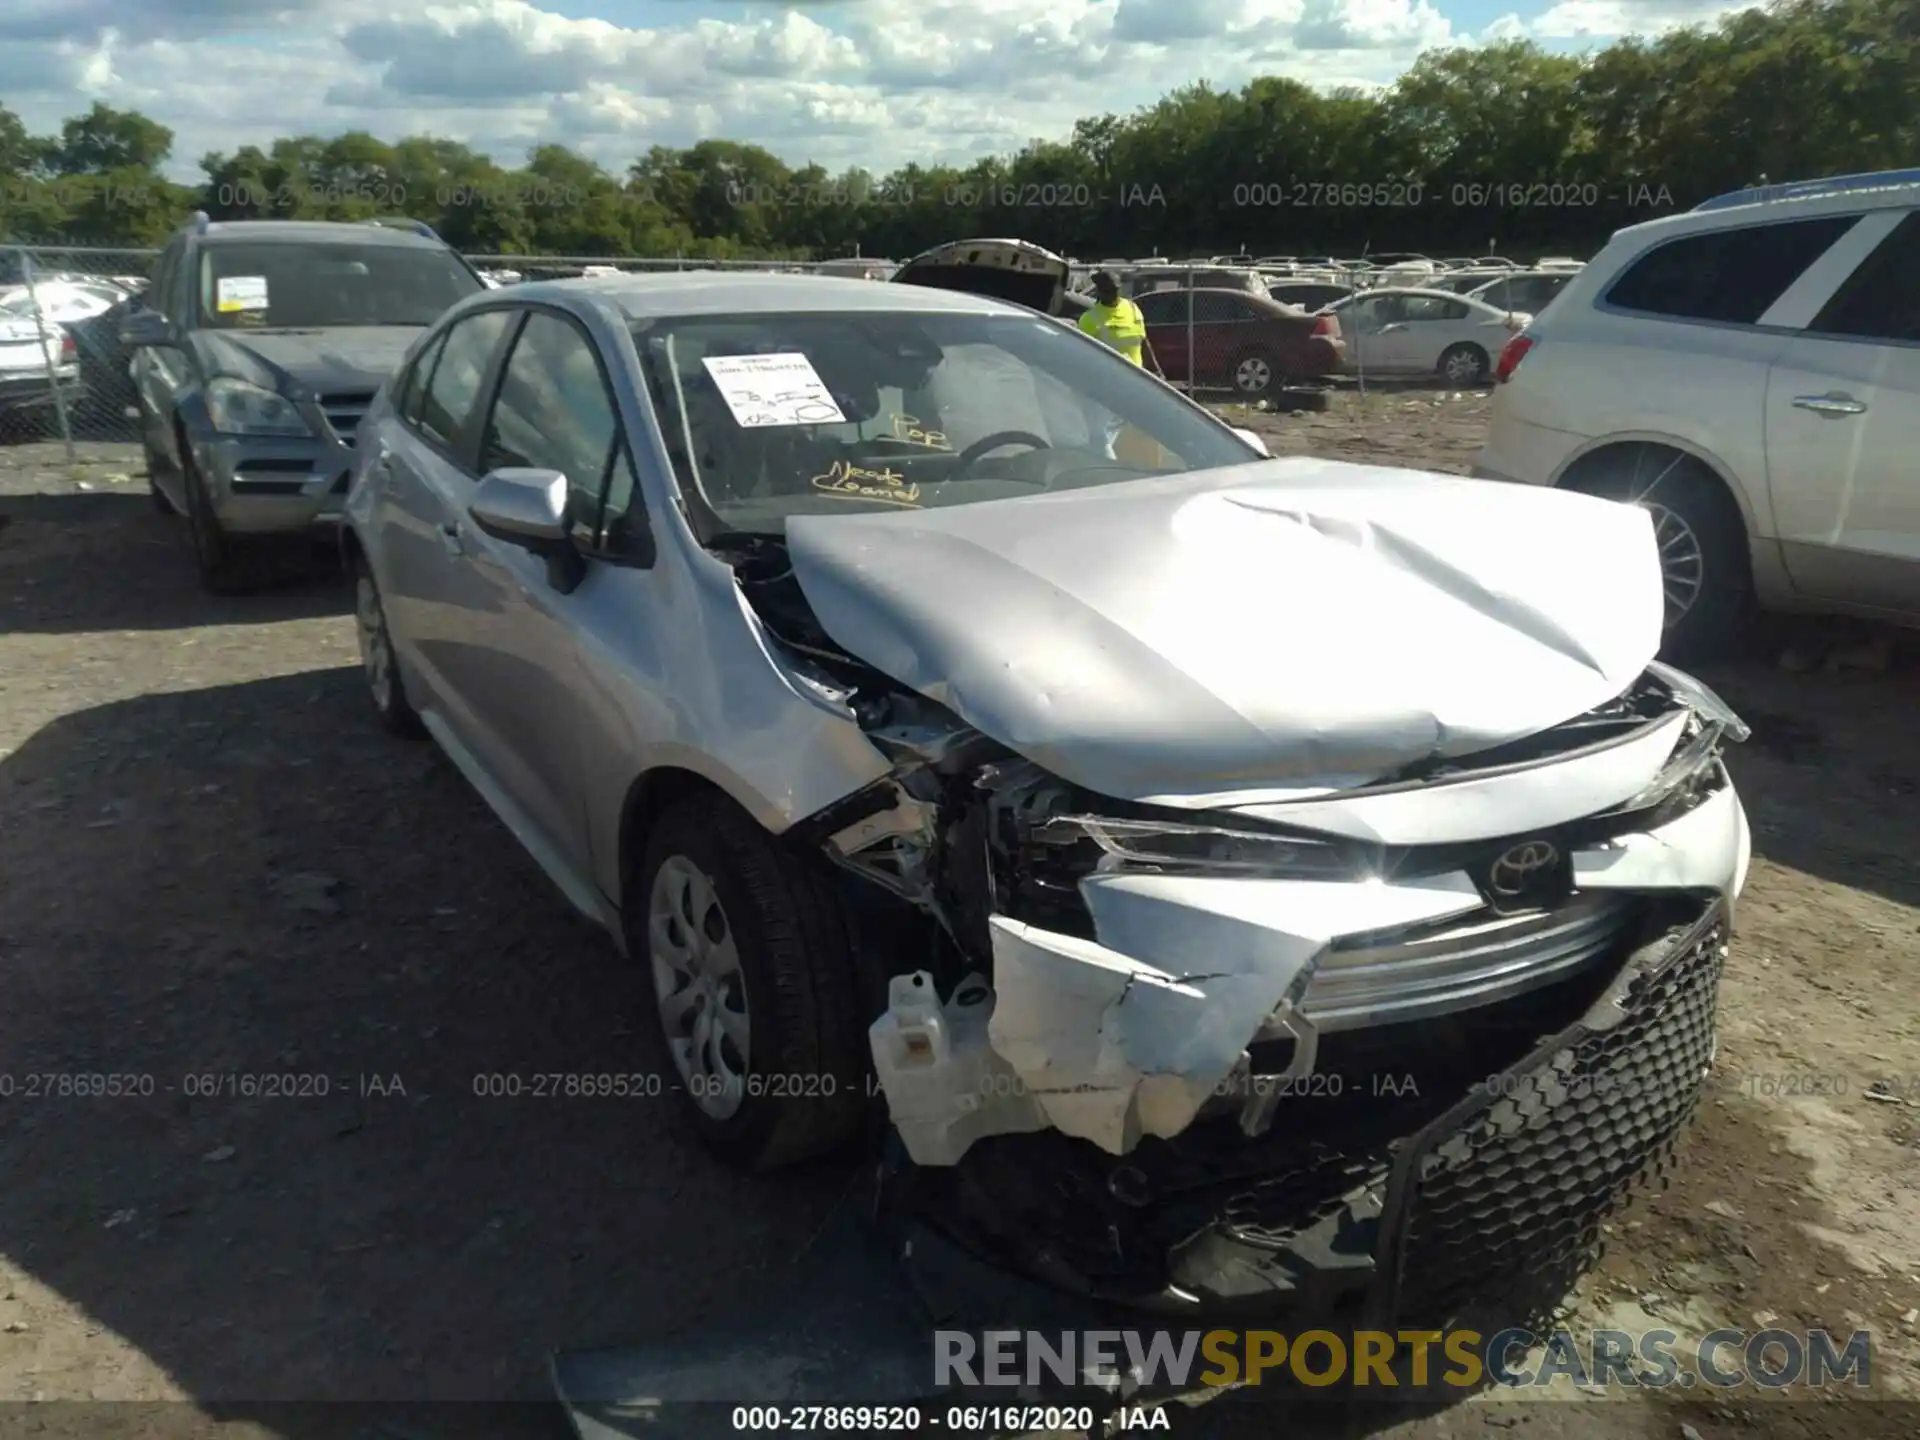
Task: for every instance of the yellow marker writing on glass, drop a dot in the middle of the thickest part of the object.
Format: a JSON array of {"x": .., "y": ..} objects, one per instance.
[
  {"x": 851, "y": 482},
  {"x": 906, "y": 428}
]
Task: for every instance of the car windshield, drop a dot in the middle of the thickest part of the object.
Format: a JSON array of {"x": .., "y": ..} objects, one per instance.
[
  {"x": 302, "y": 285},
  {"x": 818, "y": 413}
]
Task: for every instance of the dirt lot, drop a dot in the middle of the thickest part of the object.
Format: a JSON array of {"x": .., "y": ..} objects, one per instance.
[{"x": 213, "y": 865}]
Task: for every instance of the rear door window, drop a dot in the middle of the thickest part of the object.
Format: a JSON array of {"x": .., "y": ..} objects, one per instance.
[
  {"x": 1881, "y": 299},
  {"x": 455, "y": 385},
  {"x": 1729, "y": 276}
]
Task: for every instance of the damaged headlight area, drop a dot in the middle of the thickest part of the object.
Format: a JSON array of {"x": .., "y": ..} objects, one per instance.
[{"x": 1176, "y": 845}]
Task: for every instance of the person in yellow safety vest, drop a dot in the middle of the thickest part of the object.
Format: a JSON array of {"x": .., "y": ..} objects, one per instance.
[
  {"x": 1117, "y": 323},
  {"x": 1115, "y": 320}
]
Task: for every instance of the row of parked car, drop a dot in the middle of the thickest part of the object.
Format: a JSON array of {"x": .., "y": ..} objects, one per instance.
[
  {"x": 914, "y": 687},
  {"x": 59, "y": 337}
]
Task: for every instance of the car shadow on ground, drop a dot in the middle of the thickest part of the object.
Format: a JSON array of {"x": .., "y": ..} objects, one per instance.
[
  {"x": 51, "y": 543},
  {"x": 297, "y": 952},
  {"x": 276, "y": 889},
  {"x": 1831, "y": 775}
]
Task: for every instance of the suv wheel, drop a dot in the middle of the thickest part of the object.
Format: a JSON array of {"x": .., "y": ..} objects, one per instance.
[
  {"x": 1464, "y": 365},
  {"x": 155, "y": 463},
  {"x": 1702, "y": 540},
  {"x": 754, "y": 986},
  {"x": 223, "y": 561}
]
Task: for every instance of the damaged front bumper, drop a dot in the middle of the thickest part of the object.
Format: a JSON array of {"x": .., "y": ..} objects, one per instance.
[
  {"x": 1472, "y": 1207},
  {"x": 1192, "y": 1087}
]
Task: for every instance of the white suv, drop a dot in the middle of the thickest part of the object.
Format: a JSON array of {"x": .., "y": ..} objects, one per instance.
[{"x": 1750, "y": 373}]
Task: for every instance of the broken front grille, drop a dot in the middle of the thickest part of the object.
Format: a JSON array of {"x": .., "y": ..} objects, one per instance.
[
  {"x": 1458, "y": 964},
  {"x": 1507, "y": 1202},
  {"x": 345, "y": 411}
]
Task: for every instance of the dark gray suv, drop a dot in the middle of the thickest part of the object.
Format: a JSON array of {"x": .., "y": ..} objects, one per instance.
[{"x": 261, "y": 345}]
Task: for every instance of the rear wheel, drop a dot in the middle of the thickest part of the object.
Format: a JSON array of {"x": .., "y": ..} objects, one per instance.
[
  {"x": 1704, "y": 568},
  {"x": 1465, "y": 365}
]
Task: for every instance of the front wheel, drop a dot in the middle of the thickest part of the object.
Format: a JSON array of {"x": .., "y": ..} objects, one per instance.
[
  {"x": 377, "y": 663},
  {"x": 226, "y": 565},
  {"x": 1465, "y": 365},
  {"x": 755, "y": 997},
  {"x": 1254, "y": 374}
]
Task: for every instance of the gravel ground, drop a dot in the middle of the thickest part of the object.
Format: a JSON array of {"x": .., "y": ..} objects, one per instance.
[{"x": 213, "y": 864}]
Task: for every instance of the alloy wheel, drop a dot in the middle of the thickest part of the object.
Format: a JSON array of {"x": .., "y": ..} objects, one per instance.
[
  {"x": 699, "y": 986},
  {"x": 1253, "y": 375},
  {"x": 1463, "y": 367},
  {"x": 1683, "y": 563}
]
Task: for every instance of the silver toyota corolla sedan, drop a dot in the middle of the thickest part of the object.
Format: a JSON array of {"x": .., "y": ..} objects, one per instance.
[{"x": 1232, "y": 877}]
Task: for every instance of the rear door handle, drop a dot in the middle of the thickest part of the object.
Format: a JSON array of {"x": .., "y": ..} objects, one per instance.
[
  {"x": 450, "y": 540},
  {"x": 1831, "y": 406}
]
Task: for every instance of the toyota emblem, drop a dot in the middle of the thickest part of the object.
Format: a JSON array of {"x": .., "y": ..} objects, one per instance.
[{"x": 1521, "y": 866}]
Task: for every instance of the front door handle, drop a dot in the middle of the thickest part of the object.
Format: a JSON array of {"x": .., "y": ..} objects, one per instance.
[
  {"x": 1832, "y": 405},
  {"x": 450, "y": 540}
]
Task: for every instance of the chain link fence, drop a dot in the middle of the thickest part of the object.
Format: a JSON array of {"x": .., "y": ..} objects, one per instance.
[{"x": 63, "y": 371}]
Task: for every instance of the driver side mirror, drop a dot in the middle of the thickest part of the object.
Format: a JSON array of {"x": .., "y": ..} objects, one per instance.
[
  {"x": 532, "y": 509},
  {"x": 143, "y": 327}
]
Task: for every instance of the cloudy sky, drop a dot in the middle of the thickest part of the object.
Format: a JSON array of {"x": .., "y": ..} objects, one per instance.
[{"x": 868, "y": 82}]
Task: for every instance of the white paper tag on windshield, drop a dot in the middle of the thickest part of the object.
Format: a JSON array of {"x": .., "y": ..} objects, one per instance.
[
  {"x": 240, "y": 292},
  {"x": 764, "y": 390}
]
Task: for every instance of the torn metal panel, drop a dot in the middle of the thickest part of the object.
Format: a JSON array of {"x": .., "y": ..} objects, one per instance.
[
  {"x": 1071, "y": 1013},
  {"x": 1250, "y": 632}
]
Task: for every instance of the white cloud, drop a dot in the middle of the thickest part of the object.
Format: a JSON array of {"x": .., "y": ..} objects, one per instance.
[
  {"x": 868, "y": 82},
  {"x": 1611, "y": 19},
  {"x": 1371, "y": 25}
]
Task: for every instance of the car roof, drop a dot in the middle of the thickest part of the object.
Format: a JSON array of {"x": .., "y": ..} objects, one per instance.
[
  {"x": 1800, "y": 200},
  {"x": 647, "y": 297},
  {"x": 1415, "y": 290},
  {"x": 309, "y": 231}
]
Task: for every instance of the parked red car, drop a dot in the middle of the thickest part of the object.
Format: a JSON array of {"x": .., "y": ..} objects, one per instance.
[{"x": 1238, "y": 341}]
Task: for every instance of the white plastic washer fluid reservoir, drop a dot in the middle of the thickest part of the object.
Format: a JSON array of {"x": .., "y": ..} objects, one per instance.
[{"x": 945, "y": 1085}]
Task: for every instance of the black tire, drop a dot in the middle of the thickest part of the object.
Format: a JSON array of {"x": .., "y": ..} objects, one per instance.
[
  {"x": 155, "y": 463},
  {"x": 226, "y": 565},
  {"x": 808, "y": 1055},
  {"x": 1254, "y": 374},
  {"x": 1474, "y": 363},
  {"x": 390, "y": 701},
  {"x": 1686, "y": 491}
]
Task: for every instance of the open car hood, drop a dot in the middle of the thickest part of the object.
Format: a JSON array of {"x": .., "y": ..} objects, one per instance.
[
  {"x": 1013, "y": 270},
  {"x": 1252, "y": 634}
]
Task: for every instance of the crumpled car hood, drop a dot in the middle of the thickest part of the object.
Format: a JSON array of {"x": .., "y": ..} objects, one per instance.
[
  {"x": 348, "y": 357},
  {"x": 1256, "y": 633}
]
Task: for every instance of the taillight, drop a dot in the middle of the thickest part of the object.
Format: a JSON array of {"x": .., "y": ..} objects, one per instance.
[
  {"x": 1510, "y": 358},
  {"x": 1326, "y": 325},
  {"x": 68, "y": 350}
]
